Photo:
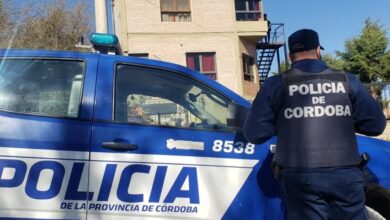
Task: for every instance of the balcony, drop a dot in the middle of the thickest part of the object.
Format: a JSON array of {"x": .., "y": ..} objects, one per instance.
[
  {"x": 252, "y": 30},
  {"x": 250, "y": 22}
]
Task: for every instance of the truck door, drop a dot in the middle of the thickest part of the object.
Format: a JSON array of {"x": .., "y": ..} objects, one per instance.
[
  {"x": 162, "y": 148},
  {"x": 45, "y": 131}
]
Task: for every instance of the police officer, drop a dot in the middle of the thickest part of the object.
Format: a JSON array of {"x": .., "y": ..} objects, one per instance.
[{"x": 315, "y": 111}]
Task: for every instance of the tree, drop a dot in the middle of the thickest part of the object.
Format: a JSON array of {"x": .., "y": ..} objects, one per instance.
[
  {"x": 282, "y": 68},
  {"x": 366, "y": 54},
  {"x": 385, "y": 63},
  {"x": 53, "y": 26},
  {"x": 5, "y": 24},
  {"x": 333, "y": 62},
  {"x": 328, "y": 58}
]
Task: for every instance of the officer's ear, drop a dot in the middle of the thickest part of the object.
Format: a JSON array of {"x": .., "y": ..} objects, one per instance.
[
  {"x": 318, "y": 51},
  {"x": 290, "y": 57}
]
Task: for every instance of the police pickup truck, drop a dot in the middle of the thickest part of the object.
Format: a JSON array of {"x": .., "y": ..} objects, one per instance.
[{"x": 100, "y": 136}]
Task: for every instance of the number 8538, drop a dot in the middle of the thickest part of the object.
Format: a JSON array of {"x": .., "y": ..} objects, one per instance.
[{"x": 231, "y": 146}]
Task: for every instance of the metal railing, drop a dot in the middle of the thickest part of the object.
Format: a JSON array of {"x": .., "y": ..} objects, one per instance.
[
  {"x": 248, "y": 15},
  {"x": 277, "y": 33}
]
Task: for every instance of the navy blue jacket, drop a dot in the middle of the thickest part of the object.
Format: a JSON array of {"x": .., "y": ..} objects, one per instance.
[{"x": 260, "y": 124}]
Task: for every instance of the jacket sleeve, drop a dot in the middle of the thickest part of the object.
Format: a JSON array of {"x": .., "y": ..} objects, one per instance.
[
  {"x": 368, "y": 115},
  {"x": 260, "y": 124}
]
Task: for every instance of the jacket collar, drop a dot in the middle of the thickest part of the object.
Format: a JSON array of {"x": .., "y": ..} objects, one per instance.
[{"x": 310, "y": 65}]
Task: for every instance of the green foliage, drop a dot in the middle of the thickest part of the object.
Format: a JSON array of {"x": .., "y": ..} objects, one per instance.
[
  {"x": 328, "y": 58},
  {"x": 333, "y": 62},
  {"x": 53, "y": 26},
  {"x": 283, "y": 67},
  {"x": 366, "y": 54},
  {"x": 385, "y": 64}
]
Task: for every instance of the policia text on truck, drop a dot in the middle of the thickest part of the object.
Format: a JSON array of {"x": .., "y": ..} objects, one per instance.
[{"x": 71, "y": 146}]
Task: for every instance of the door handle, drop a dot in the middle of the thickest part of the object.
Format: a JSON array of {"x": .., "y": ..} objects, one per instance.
[{"x": 117, "y": 146}]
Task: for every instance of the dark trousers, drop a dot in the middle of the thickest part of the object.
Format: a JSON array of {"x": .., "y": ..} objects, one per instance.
[{"x": 324, "y": 193}]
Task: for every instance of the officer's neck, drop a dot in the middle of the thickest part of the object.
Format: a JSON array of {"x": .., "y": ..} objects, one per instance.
[
  {"x": 312, "y": 59},
  {"x": 305, "y": 58},
  {"x": 305, "y": 55}
]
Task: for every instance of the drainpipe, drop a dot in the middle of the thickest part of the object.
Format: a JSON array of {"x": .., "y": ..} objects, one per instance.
[
  {"x": 112, "y": 5},
  {"x": 101, "y": 16}
]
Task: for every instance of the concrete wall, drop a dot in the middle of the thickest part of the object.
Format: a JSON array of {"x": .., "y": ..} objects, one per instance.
[
  {"x": 250, "y": 89},
  {"x": 172, "y": 48},
  {"x": 145, "y": 17},
  {"x": 212, "y": 29}
]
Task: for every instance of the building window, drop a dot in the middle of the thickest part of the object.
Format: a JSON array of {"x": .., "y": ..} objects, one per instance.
[
  {"x": 203, "y": 62},
  {"x": 248, "y": 63},
  {"x": 175, "y": 10},
  {"x": 247, "y": 10},
  {"x": 141, "y": 55}
]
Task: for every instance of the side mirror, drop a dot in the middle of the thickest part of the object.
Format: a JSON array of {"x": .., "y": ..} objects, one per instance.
[{"x": 236, "y": 115}]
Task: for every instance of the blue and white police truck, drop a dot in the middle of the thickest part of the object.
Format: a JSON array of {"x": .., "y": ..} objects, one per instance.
[{"x": 100, "y": 136}]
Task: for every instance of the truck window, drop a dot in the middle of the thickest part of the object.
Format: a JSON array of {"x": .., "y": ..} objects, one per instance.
[
  {"x": 158, "y": 97},
  {"x": 41, "y": 86}
]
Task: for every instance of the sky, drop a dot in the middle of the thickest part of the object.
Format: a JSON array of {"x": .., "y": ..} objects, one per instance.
[{"x": 335, "y": 20}]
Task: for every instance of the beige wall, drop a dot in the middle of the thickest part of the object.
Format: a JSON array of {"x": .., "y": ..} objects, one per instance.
[
  {"x": 213, "y": 29},
  {"x": 250, "y": 89},
  {"x": 120, "y": 20},
  {"x": 144, "y": 17},
  {"x": 171, "y": 48}
]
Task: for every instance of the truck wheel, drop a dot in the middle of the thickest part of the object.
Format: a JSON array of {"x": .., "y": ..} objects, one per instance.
[
  {"x": 374, "y": 215},
  {"x": 378, "y": 199}
]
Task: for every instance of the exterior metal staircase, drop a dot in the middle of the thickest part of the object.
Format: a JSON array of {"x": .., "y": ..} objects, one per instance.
[{"x": 266, "y": 50}]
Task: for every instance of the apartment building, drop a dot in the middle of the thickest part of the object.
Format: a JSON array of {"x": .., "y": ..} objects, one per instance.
[{"x": 217, "y": 38}]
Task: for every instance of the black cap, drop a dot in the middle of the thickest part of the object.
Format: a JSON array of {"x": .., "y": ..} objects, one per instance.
[{"x": 303, "y": 40}]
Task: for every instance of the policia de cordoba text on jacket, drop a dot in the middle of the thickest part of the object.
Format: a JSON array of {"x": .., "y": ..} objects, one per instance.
[
  {"x": 329, "y": 112},
  {"x": 315, "y": 111},
  {"x": 261, "y": 121}
]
